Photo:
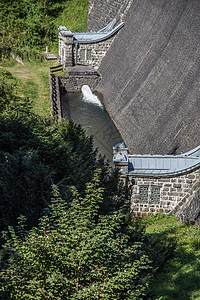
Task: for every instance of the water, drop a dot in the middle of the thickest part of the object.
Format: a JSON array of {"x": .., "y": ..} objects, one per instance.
[
  {"x": 89, "y": 97},
  {"x": 94, "y": 119}
]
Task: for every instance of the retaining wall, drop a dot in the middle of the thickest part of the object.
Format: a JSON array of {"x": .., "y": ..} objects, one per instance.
[
  {"x": 61, "y": 84},
  {"x": 55, "y": 101},
  {"x": 173, "y": 194},
  {"x": 151, "y": 77},
  {"x": 75, "y": 83}
]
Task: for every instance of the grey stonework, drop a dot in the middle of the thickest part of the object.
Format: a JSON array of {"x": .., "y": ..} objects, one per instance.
[
  {"x": 75, "y": 83},
  {"x": 54, "y": 86},
  {"x": 175, "y": 194},
  {"x": 67, "y": 52},
  {"x": 150, "y": 77},
  {"x": 98, "y": 51},
  {"x": 61, "y": 84},
  {"x": 102, "y": 12},
  {"x": 161, "y": 183},
  {"x": 179, "y": 195}
]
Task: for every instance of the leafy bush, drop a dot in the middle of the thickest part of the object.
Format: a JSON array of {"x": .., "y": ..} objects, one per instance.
[
  {"x": 28, "y": 26},
  {"x": 25, "y": 186},
  {"x": 62, "y": 152},
  {"x": 75, "y": 253}
]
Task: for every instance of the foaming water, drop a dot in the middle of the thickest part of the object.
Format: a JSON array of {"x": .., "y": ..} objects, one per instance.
[{"x": 89, "y": 97}]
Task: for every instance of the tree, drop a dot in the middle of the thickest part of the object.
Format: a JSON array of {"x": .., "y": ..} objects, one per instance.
[
  {"x": 25, "y": 187},
  {"x": 75, "y": 253}
]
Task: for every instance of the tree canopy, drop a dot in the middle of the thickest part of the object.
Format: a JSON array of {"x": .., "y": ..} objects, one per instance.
[
  {"x": 75, "y": 253},
  {"x": 29, "y": 25}
]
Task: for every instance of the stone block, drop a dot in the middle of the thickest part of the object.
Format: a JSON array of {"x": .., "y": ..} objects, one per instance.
[
  {"x": 189, "y": 181},
  {"x": 176, "y": 185},
  {"x": 173, "y": 180}
]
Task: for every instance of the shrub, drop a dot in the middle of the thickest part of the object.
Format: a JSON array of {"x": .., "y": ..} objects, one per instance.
[{"x": 75, "y": 253}]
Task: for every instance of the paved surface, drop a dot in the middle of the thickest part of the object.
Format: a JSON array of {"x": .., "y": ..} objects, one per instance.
[
  {"x": 81, "y": 70},
  {"x": 151, "y": 77}
]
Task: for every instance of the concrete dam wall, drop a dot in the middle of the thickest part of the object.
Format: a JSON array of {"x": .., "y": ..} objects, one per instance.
[
  {"x": 151, "y": 73},
  {"x": 101, "y": 12}
]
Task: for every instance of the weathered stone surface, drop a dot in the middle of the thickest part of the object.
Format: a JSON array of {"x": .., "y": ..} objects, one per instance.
[
  {"x": 173, "y": 199},
  {"x": 151, "y": 79},
  {"x": 75, "y": 83},
  {"x": 102, "y": 12}
]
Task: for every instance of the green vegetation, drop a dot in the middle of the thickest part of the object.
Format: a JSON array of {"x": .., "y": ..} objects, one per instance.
[
  {"x": 74, "y": 16},
  {"x": 76, "y": 253},
  {"x": 29, "y": 26},
  {"x": 32, "y": 81},
  {"x": 36, "y": 153},
  {"x": 179, "y": 275},
  {"x": 62, "y": 240}
]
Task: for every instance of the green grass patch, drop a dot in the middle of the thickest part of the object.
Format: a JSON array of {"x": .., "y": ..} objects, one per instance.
[
  {"x": 73, "y": 16},
  {"x": 33, "y": 82},
  {"x": 179, "y": 276}
]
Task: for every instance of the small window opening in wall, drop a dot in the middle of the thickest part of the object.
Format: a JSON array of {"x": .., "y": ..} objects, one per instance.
[
  {"x": 82, "y": 54},
  {"x": 89, "y": 54},
  {"x": 143, "y": 194},
  {"x": 155, "y": 194},
  {"x": 85, "y": 54},
  {"x": 149, "y": 194}
]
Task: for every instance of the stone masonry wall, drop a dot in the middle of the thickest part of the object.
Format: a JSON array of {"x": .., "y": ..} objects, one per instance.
[
  {"x": 191, "y": 211},
  {"x": 75, "y": 83},
  {"x": 97, "y": 50},
  {"x": 175, "y": 193},
  {"x": 65, "y": 52},
  {"x": 101, "y": 12},
  {"x": 60, "y": 84}
]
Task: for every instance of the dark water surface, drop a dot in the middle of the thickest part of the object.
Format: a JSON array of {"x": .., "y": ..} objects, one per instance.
[{"x": 94, "y": 120}]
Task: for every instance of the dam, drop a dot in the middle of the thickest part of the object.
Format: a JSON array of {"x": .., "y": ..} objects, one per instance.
[
  {"x": 147, "y": 60},
  {"x": 151, "y": 76}
]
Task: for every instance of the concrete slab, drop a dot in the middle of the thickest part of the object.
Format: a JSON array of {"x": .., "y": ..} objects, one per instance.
[
  {"x": 82, "y": 70},
  {"x": 50, "y": 56}
]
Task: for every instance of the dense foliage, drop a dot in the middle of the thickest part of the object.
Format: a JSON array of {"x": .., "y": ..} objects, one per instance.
[
  {"x": 75, "y": 253},
  {"x": 36, "y": 153},
  {"x": 83, "y": 246},
  {"x": 29, "y": 25}
]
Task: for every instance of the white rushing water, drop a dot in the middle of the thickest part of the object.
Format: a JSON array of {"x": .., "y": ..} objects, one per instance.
[{"x": 89, "y": 97}]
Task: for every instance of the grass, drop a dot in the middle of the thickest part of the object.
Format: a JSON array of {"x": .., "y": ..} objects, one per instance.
[
  {"x": 33, "y": 77},
  {"x": 180, "y": 276},
  {"x": 74, "y": 17},
  {"x": 33, "y": 81}
]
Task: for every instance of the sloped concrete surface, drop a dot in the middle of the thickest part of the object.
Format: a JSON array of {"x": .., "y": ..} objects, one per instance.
[{"x": 151, "y": 77}]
